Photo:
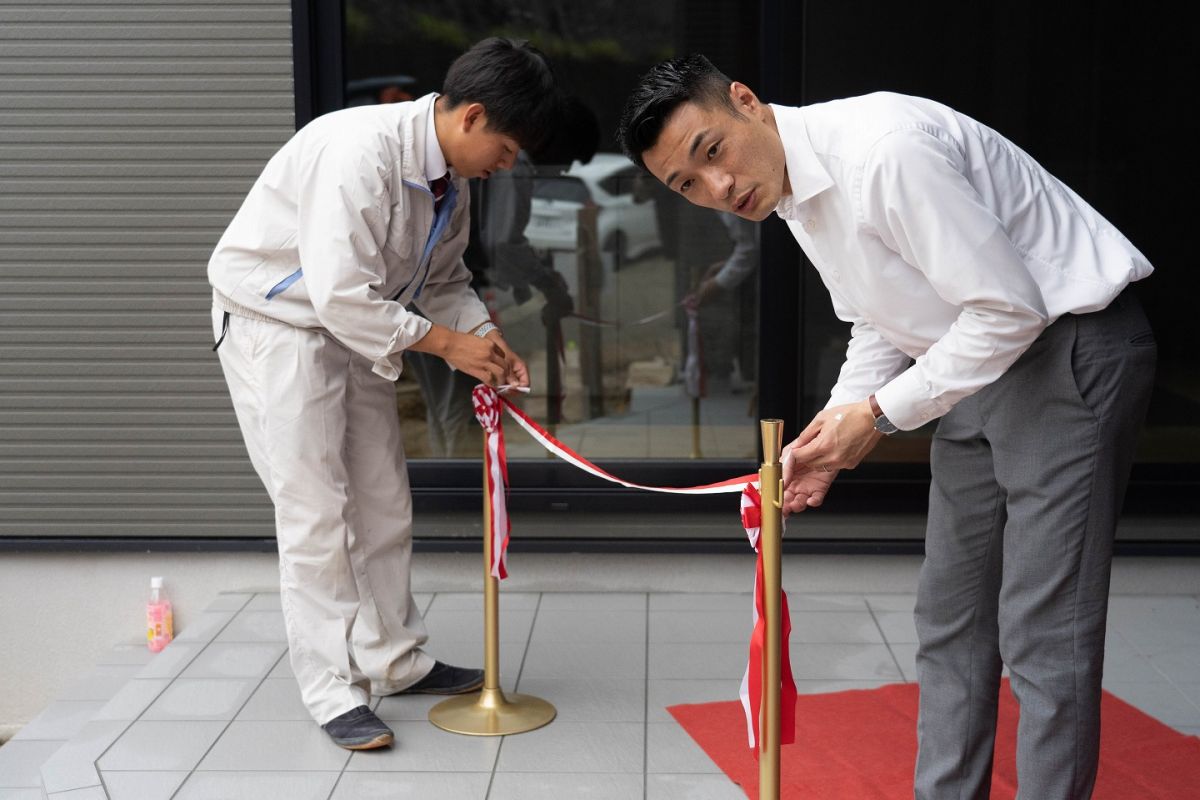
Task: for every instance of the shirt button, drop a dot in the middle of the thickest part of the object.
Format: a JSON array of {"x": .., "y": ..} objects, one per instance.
[{"x": 810, "y": 225}]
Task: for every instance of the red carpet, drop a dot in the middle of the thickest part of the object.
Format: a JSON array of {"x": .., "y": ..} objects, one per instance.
[{"x": 862, "y": 744}]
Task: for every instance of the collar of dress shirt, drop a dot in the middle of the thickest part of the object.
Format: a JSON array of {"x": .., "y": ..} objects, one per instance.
[
  {"x": 435, "y": 159},
  {"x": 807, "y": 176}
]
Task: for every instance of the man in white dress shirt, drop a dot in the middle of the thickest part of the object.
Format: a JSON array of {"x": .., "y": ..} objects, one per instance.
[
  {"x": 986, "y": 294},
  {"x": 360, "y": 214}
]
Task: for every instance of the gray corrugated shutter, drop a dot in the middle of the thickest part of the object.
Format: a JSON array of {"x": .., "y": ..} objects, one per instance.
[{"x": 129, "y": 133}]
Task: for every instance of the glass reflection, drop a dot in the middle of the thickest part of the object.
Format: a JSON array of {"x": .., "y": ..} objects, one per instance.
[{"x": 592, "y": 271}]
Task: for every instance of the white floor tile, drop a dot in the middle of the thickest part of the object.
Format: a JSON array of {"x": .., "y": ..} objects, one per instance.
[
  {"x": 229, "y": 601},
  {"x": 258, "y": 785},
  {"x": 171, "y": 661},
  {"x": 201, "y": 699},
  {"x": 1178, "y": 664},
  {"x": 667, "y": 692},
  {"x": 575, "y": 747},
  {"x": 73, "y": 765},
  {"x": 698, "y": 661},
  {"x": 557, "y": 786},
  {"x": 669, "y": 749},
  {"x": 470, "y": 601},
  {"x": 591, "y": 699},
  {"x": 798, "y": 600},
  {"x": 202, "y": 627},
  {"x": 906, "y": 656},
  {"x": 589, "y": 626},
  {"x": 701, "y": 626},
  {"x": 1164, "y": 702},
  {"x": 724, "y": 601},
  {"x": 60, "y": 721},
  {"x": 892, "y": 602},
  {"x": 132, "y": 699},
  {"x": 467, "y": 625},
  {"x": 229, "y": 660},
  {"x": 142, "y": 785},
  {"x": 161, "y": 746},
  {"x": 254, "y": 626},
  {"x": 595, "y": 601},
  {"x": 422, "y": 747},
  {"x": 412, "y": 786},
  {"x": 816, "y": 661},
  {"x": 580, "y": 660},
  {"x": 265, "y": 601},
  {"x": 834, "y": 627},
  {"x": 20, "y": 762},
  {"x": 275, "y": 699},
  {"x": 692, "y": 787},
  {"x": 274, "y": 746},
  {"x": 898, "y": 627}
]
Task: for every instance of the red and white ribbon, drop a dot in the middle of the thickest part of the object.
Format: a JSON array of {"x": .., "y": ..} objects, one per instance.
[
  {"x": 751, "y": 690},
  {"x": 546, "y": 440},
  {"x": 487, "y": 411}
]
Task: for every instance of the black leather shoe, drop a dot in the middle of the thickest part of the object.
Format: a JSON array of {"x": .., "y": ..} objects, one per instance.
[
  {"x": 359, "y": 729},
  {"x": 445, "y": 679}
]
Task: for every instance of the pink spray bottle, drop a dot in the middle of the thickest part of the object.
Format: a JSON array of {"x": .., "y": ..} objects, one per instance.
[{"x": 160, "y": 627}]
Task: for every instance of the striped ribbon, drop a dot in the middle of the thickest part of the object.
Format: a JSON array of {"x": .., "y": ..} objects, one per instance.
[
  {"x": 487, "y": 410},
  {"x": 751, "y": 689}
]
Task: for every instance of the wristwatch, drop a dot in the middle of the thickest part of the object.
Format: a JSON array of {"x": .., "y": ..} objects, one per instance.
[
  {"x": 486, "y": 328},
  {"x": 882, "y": 423}
]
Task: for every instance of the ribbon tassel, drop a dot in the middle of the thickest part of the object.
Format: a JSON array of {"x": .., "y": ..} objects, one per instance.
[
  {"x": 751, "y": 689},
  {"x": 487, "y": 412}
]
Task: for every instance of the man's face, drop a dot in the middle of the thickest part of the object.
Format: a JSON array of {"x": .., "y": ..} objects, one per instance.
[
  {"x": 483, "y": 150},
  {"x": 721, "y": 161}
]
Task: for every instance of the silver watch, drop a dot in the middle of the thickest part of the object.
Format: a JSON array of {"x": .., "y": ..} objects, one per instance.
[
  {"x": 885, "y": 425},
  {"x": 486, "y": 328},
  {"x": 882, "y": 423}
]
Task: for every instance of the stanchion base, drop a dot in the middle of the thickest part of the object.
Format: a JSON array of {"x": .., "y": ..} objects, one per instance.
[{"x": 492, "y": 713}]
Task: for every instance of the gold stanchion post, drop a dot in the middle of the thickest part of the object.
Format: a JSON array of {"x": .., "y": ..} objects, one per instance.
[
  {"x": 489, "y": 712},
  {"x": 770, "y": 477}
]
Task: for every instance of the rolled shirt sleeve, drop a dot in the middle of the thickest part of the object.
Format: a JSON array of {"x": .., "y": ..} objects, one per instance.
[
  {"x": 343, "y": 216},
  {"x": 916, "y": 197}
]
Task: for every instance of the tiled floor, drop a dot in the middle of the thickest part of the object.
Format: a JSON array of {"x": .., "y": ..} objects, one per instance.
[{"x": 218, "y": 715}]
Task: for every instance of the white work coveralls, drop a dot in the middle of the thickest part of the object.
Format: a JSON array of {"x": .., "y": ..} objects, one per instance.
[{"x": 311, "y": 282}]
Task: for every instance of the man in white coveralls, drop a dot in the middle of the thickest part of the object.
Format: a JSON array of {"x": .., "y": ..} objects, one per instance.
[
  {"x": 982, "y": 291},
  {"x": 363, "y": 212}
]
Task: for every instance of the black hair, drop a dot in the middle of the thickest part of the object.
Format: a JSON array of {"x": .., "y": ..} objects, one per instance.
[
  {"x": 660, "y": 91},
  {"x": 514, "y": 83}
]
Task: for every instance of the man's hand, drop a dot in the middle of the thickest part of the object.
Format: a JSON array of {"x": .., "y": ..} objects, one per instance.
[
  {"x": 516, "y": 373},
  {"x": 480, "y": 357},
  {"x": 837, "y": 438},
  {"x": 803, "y": 487}
]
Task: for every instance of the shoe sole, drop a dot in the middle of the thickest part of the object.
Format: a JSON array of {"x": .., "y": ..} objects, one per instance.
[
  {"x": 382, "y": 740},
  {"x": 456, "y": 690}
]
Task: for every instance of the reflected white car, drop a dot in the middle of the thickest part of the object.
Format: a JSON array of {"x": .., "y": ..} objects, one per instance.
[{"x": 627, "y": 228}]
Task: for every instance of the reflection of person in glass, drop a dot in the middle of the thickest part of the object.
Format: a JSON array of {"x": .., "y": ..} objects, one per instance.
[
  {"x": 721, "y": 318},
  {"x": 941, "y": 241},
  {"x": 354, "y": 218},
  {"x": 499, "y": 255}
]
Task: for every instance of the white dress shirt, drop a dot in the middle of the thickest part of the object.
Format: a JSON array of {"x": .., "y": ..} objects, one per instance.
[{"x": 941, "y": 241}]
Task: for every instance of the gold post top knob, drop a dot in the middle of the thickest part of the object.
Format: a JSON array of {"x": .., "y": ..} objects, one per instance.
[{"x": 772, "y": 440}]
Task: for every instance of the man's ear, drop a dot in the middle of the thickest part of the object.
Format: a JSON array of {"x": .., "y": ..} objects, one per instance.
[
  {"x": 474, "y": 114},
  {"x": 744, "y": 99}
]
